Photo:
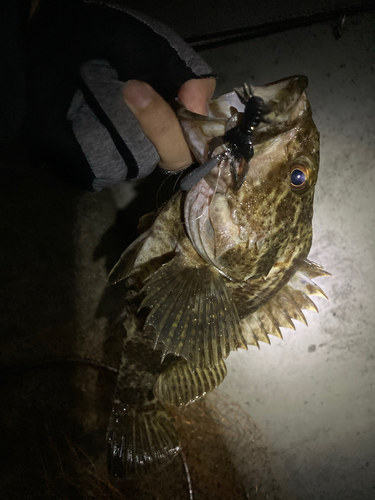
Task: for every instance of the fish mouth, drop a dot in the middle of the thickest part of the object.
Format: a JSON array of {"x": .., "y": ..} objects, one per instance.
[
  {"x": 281, "y": 95},
  {"x": 280, "y": 99},
  {"x": 285, "y": 103}
]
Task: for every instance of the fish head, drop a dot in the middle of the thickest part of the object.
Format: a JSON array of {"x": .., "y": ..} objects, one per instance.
[{"x": 246, "y": 233}]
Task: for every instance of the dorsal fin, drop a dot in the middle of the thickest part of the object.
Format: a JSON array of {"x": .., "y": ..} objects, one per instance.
[{"x": 286, "y": 305}]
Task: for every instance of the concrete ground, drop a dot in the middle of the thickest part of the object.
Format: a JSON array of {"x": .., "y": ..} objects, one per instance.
[{"x": 312, "y": 394}]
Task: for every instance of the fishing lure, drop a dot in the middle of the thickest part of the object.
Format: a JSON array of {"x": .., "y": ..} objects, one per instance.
[{"x": 238, "y": 141}]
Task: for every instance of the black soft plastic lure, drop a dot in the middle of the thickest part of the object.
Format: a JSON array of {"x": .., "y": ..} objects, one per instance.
[{"x": 238, "y": 141}]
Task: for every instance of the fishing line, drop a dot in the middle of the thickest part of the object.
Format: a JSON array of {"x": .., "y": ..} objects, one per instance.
[
  {"x": 169, "y": 175},
  {"x": 178, "y": 178},
  {"x": 201, "y": 215},
  {"x": 191, "y": 497},
  {"x": 216, "y": 186},
  {"x": 158, "y": 192}
]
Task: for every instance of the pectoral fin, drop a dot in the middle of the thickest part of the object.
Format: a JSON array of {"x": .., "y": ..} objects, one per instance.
[
  {"x": 152, "y": 248},
  {"x": 180, "y": 385},
  {"x": 140, "y": 440},
  {"x": 192, "y": 313},
  {"x": 125, "y": 265}
]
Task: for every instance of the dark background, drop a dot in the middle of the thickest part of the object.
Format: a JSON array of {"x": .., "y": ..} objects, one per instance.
[{"x": 203, "y": 24}]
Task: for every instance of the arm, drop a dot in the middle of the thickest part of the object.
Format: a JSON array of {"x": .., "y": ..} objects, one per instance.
[{"x": 82, "y": 117}]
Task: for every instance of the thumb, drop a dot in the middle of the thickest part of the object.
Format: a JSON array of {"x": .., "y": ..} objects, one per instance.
[{"x": 195, "y": 94}]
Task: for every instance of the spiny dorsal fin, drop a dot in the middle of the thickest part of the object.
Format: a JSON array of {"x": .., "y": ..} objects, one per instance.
[
  {"x": 179, "y": 385},
  {"x": 305, "y": 285},
  {"x": 192, "y": 313},
  {"x": 140, "y": 440},
  {"x": 312, "y": 270},
  {"x": 286, "y": 305}
]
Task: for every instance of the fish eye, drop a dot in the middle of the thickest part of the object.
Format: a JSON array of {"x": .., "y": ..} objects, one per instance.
[{"x": 299, "y": 177}]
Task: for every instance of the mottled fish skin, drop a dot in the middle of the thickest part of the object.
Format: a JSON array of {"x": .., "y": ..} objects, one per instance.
[
  {"x": 259, "y": 236},
  {"x": 215, "y": 270}
]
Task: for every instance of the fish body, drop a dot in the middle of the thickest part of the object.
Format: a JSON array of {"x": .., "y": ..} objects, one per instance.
[{"x": 220, "y": 267}]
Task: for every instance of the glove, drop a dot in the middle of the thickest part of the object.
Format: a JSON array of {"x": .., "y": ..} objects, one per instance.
[{"x": 78, "y": 56}]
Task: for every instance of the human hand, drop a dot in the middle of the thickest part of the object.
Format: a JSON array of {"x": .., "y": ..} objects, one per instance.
[
  {"x": 159, "y": 121},
  {"x": 82, "y": 116}
]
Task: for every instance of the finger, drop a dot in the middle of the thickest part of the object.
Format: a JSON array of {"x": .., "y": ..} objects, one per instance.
[
  {"x": 159, "y": 123},
  {"x": 196, "y": 94}
]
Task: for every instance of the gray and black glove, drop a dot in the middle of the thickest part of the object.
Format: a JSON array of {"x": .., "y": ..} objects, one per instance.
[{"x": 78, "y": 55}]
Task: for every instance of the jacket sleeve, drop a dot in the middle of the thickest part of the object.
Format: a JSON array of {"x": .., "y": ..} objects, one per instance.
[{"x": 78, "y": 56}]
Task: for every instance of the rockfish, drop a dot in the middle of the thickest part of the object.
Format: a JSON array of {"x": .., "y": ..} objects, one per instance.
[{"x": 219, "y": 267}]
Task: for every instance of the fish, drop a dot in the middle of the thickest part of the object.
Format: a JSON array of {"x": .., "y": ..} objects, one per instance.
[{"x": 221, "y": 266}]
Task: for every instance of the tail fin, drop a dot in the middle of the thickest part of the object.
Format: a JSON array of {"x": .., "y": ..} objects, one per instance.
[{"x": 140, "y": 439}]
